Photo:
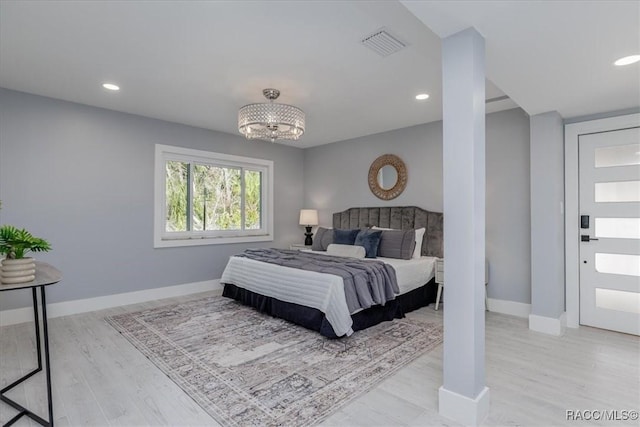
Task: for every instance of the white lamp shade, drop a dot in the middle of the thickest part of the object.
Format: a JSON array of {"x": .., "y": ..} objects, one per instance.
[{"x": 308, "y": 217}]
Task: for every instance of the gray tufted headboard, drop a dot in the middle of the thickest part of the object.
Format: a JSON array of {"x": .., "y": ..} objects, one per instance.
[{"x": 398, "y": 217}]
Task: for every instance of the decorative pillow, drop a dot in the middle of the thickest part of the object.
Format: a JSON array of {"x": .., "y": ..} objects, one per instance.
[
  {"x": 417, "y": 252},
  {"x": 397, "y": 244},
  {"x": 370, "y": 240},
  {"x": 345, "y": 237},
  {"x": 346, "y": 250},
  {"x": 322, "y": 239}
]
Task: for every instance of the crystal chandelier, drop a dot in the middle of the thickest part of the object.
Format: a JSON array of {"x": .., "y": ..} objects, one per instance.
[{"x": 271, "y": 121}]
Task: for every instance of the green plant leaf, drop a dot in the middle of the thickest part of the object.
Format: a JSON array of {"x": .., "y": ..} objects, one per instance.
[{"x": 15, "y": 243}]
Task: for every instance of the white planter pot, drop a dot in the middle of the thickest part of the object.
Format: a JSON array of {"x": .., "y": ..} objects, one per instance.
[{"x": 17, "y": 270}]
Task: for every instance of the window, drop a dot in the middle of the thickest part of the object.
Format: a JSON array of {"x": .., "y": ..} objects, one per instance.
[{"x": 204, "y": 198}]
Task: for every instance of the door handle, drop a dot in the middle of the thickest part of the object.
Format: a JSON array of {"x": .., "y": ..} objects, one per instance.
[{"x": 586, "y": 238}]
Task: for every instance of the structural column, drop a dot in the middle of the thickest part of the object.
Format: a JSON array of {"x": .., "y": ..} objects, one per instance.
[
  {"x": 464, "y": 396},
  {"x": 547, "y": 224}
]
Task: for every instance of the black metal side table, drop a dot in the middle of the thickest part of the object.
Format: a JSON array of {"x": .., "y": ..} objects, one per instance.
[{"x": 45, "y": 275}]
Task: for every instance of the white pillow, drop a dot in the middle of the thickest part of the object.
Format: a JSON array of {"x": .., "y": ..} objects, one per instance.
[
  {"x": 417, "y": 252},
  {"x": 346, "y": 250}
]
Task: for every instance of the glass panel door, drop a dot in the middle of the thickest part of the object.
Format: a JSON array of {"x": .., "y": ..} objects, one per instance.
[{"x": 609, "y": 184}]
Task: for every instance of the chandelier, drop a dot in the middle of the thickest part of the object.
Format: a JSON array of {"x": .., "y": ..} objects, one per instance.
[{"x": 271, "y": 121}]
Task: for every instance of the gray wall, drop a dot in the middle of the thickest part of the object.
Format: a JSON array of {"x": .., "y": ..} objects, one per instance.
[
  {"x": 508, "y": 229},
  {"x": 82, "y": 177},
  {"x": 335, "y": 177},
  {"x": 547, "y": 218}
]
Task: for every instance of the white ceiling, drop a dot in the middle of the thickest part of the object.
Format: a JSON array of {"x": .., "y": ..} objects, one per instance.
[{"x": 198, "y": 62}]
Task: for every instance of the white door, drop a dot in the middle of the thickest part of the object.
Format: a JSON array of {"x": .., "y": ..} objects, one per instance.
[{"x": 610, "y": 230}]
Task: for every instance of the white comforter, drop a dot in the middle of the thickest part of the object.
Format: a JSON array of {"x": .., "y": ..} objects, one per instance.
[{"x": 322, "y": 291}]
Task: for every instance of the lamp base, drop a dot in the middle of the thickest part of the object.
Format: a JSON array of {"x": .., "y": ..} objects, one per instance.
[{"x": 308, "y": 241}]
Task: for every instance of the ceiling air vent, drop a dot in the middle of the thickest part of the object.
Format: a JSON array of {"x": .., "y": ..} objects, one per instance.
[
  {"x": 496, "y": 99},
  {"x": 383, "y": 42}
]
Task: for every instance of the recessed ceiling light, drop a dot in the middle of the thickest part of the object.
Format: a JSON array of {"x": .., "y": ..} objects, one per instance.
[
  {"x": 110, "y": 86},
  {"x": 422, "y": 96},
  {"x": 627, "y": 60}
]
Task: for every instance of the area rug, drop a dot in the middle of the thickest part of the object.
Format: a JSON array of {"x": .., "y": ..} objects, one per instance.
[{"x": 246, "y": 368}]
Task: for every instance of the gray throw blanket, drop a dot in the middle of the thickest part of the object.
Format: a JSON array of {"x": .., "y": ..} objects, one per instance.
[{"x": 366, "y": 283}]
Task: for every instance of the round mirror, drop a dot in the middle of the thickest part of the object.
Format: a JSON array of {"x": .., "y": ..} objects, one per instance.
[{"x": 387, "y": 177}]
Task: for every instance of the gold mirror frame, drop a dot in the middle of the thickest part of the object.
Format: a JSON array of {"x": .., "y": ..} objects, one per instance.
[{"x": 401, "y": 182}]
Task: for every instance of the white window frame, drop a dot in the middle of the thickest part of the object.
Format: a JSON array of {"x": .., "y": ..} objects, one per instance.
[{"x": 164, "y": 239}]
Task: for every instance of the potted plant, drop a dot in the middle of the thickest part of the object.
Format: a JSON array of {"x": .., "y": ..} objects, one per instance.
[{"x": 14, "y": 244}]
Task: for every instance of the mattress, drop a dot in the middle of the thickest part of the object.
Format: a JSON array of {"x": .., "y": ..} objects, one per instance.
[
  {"x": 317, "y": 290},
  {"x": 412, "y": 273}
]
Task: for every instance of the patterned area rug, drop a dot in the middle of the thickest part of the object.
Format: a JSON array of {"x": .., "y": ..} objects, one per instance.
[{"x": 246, "y": 368}]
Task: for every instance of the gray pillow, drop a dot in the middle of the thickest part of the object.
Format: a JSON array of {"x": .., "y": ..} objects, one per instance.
[
  {"x": 322, "y": 239},
  {"x": 397, "y": 244}
]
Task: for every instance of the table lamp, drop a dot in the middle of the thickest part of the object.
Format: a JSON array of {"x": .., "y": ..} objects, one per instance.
[{"x": 308, "y": 217}]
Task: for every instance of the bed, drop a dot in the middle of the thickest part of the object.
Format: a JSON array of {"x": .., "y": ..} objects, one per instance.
[{"x": 317, "y": 300}]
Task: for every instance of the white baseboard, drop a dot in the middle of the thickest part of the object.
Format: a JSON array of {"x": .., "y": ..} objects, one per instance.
[
  {"x": 463, "y": 409},
  {"x": 512, "y": 308},
  {"x": 548, "y": 325},
  {"x": 66, "y": 308}
]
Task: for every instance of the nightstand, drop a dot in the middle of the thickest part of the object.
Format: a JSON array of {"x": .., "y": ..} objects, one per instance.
[
  {"x": 440, "y": 280},
  {"x": 299, "y": 247}
]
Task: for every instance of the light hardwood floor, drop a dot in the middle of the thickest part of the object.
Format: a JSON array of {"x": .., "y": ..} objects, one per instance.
[{"x": 99, "y": 379}]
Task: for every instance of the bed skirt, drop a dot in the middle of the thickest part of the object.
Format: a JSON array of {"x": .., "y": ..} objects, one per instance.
[{"x": 314, "y": 319}]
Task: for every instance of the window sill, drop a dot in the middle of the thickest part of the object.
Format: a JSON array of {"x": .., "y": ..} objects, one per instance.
[{"x": 172, "y": 243}]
